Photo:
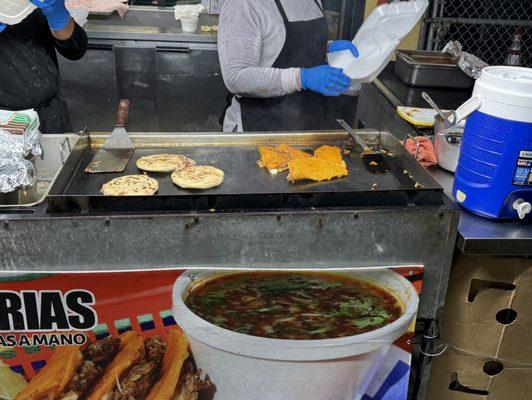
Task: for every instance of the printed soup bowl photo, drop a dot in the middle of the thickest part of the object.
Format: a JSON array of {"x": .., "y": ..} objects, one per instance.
[{"x": 290, "y": 335}]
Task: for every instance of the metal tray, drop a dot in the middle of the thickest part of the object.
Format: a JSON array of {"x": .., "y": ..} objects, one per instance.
[
  {"x": 430, "y": 69},
  {"x": 56, "y": 149},
  {"x": 247, "y": 186}
]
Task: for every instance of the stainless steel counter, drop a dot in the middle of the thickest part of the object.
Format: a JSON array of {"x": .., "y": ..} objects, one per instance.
[
  {"x": 33, "y": 239},
  {"x": 476, "y": 235},
  {"x": 148, "y": 24},
  {"x": 481, "y": 236}
]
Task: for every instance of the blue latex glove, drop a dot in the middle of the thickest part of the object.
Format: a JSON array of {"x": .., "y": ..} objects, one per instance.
[
  {"x": 2, "y": 27},
  {"x": 325, "y": 79},
  {"x": 55, "y": 12},
  {"x": 339, "y": 45}
]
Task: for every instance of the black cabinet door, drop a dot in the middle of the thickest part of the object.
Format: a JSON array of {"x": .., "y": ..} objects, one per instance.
[
  {"x": 171, "y": 89},
  {"x": 136, "y": 71},
  {"x": 191, "y": 90},
  {"x": 89, "y": 87}
]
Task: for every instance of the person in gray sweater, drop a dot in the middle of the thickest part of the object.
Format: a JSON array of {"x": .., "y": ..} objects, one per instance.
[{"x": 273, "y": 56}]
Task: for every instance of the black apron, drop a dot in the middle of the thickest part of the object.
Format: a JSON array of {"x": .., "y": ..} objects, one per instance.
[
  {"x": 31, "y": 77},
  {"x": 305, "y": 46}
]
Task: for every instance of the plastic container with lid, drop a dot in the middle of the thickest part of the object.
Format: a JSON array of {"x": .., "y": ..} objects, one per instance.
[
  {"x": 189, "y": 24},
  {"x": 494, "y": 174},
  {"x": 378, "y": 38},
  {"x": 14, "y": 11}
]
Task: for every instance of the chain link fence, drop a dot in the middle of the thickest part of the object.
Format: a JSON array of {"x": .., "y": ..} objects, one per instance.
[{"x": 489, "y": 29}]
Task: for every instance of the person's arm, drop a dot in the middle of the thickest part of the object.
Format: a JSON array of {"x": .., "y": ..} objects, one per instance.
[
  {"x": 240, "y": 45},
  {"x": 71, "y": 42},
  {"x": 70, "y": 38}
]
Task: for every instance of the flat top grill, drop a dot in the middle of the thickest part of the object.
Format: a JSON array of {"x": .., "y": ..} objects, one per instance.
[{"x": 246, "y": 185}]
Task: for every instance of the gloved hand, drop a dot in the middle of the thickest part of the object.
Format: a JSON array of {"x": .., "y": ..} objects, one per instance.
[
  {"x": 55, "y": 12},
  {"x": 325, "y": 79},
  {"x": 2, "y": 27},
  {"x": 339, "y": 45}
]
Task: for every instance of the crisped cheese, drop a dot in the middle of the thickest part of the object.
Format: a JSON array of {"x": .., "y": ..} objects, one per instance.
[
  {"x": 275, "y": 159},
  {"x": 272, "y": 159},
  {"x": 315, "y": 169},
  {"x": 292, "y": 151},
  {"x": 331, "y": 153}
]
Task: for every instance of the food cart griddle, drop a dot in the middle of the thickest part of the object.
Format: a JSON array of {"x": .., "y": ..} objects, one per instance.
[{"x": 401, "y": 182}]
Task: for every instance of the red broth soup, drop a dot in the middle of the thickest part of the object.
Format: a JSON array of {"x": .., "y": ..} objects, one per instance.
[{"x": 293, "y": 305}]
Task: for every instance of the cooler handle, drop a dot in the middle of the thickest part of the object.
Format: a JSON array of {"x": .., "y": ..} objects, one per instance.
[{"x": 464, "y": 111}]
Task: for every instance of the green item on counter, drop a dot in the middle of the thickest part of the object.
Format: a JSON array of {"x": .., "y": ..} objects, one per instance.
[{"x": 11, "y": 383}]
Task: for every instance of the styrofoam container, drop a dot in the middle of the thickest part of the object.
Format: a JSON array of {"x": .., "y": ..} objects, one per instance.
[
  {"x": 13, "y": 12},
  {"x": 189, "y": 24},
  {"x": 241, "y": 365},
  {"x": 378, "y": 38}
]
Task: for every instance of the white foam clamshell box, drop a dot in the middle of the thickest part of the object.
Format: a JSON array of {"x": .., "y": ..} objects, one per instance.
[
  {"x": 378, "y": 38},
  {"x": 14, "y": 11}
]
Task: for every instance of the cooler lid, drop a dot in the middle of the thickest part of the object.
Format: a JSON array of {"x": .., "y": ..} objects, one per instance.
[
  {"x": 14, "y": 11},
  {"x": 378, "y": 38},
  {"x": 515, "y": 79}
]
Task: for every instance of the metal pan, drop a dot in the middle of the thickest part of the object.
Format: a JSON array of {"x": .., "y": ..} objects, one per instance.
[
  {"x": 430, "y": 69},
  {"x": 246, "y": 186},
  {"x": 56, "y": 149}
]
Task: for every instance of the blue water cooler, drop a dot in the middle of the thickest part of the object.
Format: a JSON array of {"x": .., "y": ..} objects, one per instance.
[{"x": 494, "y": 174}]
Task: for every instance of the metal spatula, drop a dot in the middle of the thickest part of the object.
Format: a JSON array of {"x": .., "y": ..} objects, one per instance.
[
  {"x": 368, "y": 155},
  {"x": 117, "y": 150}
]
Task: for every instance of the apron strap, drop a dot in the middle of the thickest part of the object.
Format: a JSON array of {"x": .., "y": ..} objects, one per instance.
[
  {"x": 282, "y": 12},
  {"x": 319, "y": 6},
  {"x": 228, "y": 102}
]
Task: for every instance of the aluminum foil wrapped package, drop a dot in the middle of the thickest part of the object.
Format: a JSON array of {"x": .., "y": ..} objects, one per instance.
[
  {"x": 11, "y": 146},
  {"x": 23, "y": 129},
  {"x": 32, "y": 142},
  {"x": 15, "y": 174},
  {"x": 469, "y": 63}
]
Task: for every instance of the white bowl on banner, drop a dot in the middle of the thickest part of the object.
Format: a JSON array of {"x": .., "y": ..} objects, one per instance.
[{"x": 244, "y": 367}]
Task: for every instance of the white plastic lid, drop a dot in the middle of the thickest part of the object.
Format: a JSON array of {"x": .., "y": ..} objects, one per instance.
[
  {"x": 378, "y": 38},
  {"x": 514, "y": 79},
  {"x": 13, "y": 12},
  {"x": 506, "y": 85}
]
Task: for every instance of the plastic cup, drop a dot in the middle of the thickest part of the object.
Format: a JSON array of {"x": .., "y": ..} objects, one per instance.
[{"x": 189, "y": 24}]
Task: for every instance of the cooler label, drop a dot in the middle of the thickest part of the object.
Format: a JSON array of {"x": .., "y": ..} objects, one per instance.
[{"x": 523, "y": 171}]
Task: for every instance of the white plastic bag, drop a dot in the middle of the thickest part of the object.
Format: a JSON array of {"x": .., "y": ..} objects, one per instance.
[{"x": 194, "y": 10}]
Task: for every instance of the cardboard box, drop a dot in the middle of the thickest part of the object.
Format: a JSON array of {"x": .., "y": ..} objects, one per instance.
[
  {"x": 461, "y": 377},
  {"x": 488, "y": 308}
]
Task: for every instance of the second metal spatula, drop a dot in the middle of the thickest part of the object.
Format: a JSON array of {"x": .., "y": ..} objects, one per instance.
[
  {"x": 368, "y": 155},
  {"x": 117, "y": 150}
]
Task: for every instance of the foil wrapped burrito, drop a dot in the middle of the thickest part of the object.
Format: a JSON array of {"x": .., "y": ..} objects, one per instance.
[
  {"x": 469, "y": 63},
  {"x": 20, "y": 139},
  {"x": 19, "y": 132},
  {"x": 16, "y": 173}
]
